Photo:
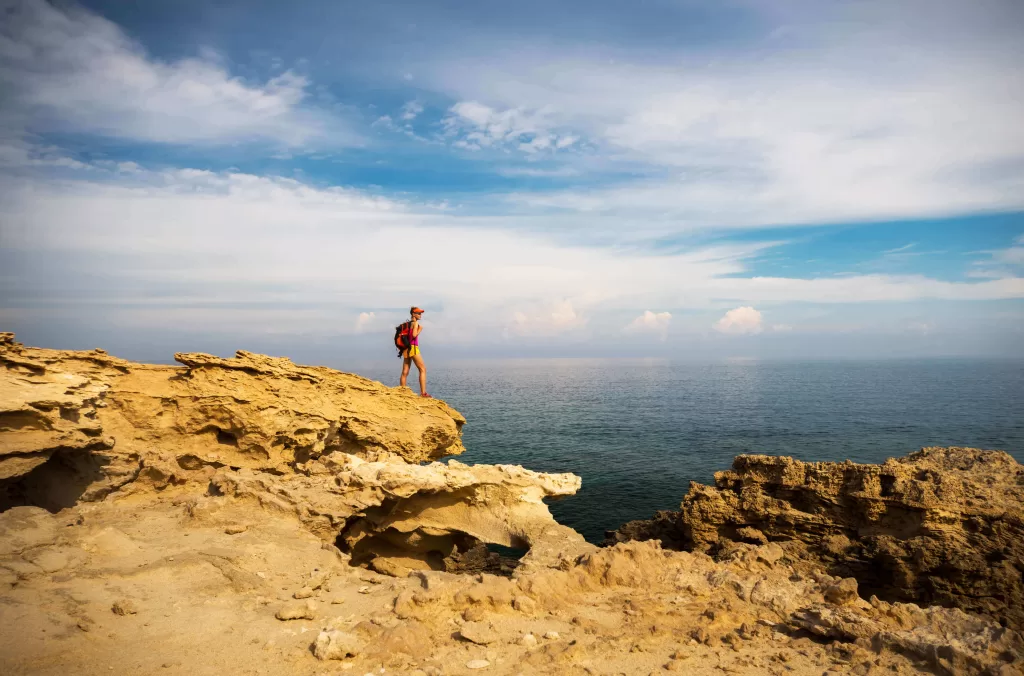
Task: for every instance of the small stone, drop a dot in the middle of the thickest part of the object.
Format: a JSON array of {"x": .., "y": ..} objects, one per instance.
[
  {"x": 303, "y": 593},
  {"x": 261, "y": 575},
  {"x": 552, "y": 635},
  {"x": 235, "y": 529},
  {"x": 674, "y": 665},
  {"x": 297, "y": 611},
  {"x": 477, "y": 664},
  {"x": 124, "y": 607},
  {"x": 473, "y": 614},
  {"x": 528, "y": 640},
  {"x": 336, "y": 645},
  {"x": 364, "y": 590},
  {"x": 481, "y": 633}
]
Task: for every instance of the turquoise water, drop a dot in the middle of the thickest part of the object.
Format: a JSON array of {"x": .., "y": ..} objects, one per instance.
[{"x": 638, "y": 431}]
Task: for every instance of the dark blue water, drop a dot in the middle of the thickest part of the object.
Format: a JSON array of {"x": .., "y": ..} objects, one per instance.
[{"x": 638, "y": 431}]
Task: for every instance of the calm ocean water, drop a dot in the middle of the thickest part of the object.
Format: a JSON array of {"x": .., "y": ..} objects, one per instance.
[{"x": 638, "y": 431}]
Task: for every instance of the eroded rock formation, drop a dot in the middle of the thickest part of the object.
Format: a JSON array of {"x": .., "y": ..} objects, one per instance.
[
  {"x": 940, "y": 526},
  {"x": 338, "y": 450},
  {"x": 236, "y": 516}
]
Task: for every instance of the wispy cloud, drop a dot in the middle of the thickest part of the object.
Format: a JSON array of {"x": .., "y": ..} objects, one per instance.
[
  {"x": 185, "y": 239},
  {"x": 68, "y": 69},
  {"x": 411, "y": 109},
  {"x": 853, "y": 125},
  {"x": 473, "y": 125},
  {"x": 899, "y": 249}
]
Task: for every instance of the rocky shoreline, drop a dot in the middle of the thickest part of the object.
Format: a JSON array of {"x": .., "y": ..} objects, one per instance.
[
  {"x": 250, "y": 515},
  {"x": 942, "y": 526}
]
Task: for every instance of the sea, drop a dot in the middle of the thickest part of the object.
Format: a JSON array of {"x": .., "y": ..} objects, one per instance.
[{"x": 638, "y": 431}]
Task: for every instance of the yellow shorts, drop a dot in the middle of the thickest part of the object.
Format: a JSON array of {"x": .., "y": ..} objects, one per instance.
[{"x": 413, "y": 351}]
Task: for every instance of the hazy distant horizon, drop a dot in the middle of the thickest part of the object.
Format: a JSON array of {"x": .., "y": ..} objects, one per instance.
[
  {"x": 780, "y": 179},
  {"x": 381, "y": 359}
]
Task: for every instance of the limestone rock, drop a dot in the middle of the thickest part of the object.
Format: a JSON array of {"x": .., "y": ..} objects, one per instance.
[
  {"x": 124, "y": 607},
  {"x": 842, "y": 592},
  {"x": 481, "y": 633},
  {"x": 940, "y": 526},
  {"x": 297, "y": 610},
  {"x": 324, "y": 468},
  {"x": 336, "y": 645},
  {"x": 109, "y": 420}
]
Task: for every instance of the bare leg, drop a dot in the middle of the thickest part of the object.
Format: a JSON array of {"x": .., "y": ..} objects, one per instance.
[
  {"x": 406, "y": 363},
  {"x": 422, "y": 368}
]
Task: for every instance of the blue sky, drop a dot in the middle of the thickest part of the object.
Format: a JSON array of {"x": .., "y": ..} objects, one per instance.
[{"x": 781, "y": 178}]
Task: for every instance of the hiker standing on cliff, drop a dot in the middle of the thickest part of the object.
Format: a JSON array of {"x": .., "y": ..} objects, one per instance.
[{"x": 409, "y": 335}]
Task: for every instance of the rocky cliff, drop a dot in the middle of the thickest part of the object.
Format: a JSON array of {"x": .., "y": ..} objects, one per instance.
[
  {"x": 942, "y": 526},
  {"x": 250, "y": 515}
]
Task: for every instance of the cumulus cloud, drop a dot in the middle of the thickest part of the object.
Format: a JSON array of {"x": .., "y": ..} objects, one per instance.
[
  {"x": 656, "y": 323},
  {"x": 68, "y": 69},
  {"x": 365, "y": 321},
  {"x": 741, "y": 320}
]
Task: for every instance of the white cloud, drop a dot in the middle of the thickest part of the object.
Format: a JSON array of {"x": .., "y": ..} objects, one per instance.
[
  {"x": 69, "y": 69},
  {"x": 856, "y": 122},
  {"x": 196, "y": 248},
  {"x": 365, "y": 321},
  {"x": 411, "y": 109},
  {"x": 742, "y": 320},
  {"x": 656, "y": 323},
  {"x": 474, "y": 125},
  {"x": 15, "y": 153},
  {"x": 1011, "y": 256},
  {"x": 545, "y": 318},
  {"x": 538, "y": 172}
]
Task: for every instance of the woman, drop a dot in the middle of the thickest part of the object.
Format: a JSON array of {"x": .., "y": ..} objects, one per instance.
[{"x": 411, "y": 355}]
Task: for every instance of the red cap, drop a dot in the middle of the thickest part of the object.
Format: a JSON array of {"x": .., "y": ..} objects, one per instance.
[{"x": 416, "y": 310}]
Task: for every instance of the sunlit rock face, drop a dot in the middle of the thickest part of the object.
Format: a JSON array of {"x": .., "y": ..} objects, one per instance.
[
  {"x": 940, "y": 526},
  {"x": 340, "y": 451}
]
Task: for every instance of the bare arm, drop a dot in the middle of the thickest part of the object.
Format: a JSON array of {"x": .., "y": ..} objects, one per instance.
[{"x": 416, "y": 328}]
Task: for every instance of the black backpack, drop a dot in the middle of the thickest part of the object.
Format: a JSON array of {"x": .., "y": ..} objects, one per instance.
[{"x": 403, "y": 337}]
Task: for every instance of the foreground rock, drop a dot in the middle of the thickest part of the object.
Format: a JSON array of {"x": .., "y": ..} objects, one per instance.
[
  {"x": 209, "y": 602},
  {"x": 252, "y": 516},
  {"x": 943, "y": 526},
  {"x": 100, "y": 421},
  {"x": 337, "y": 450}
]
